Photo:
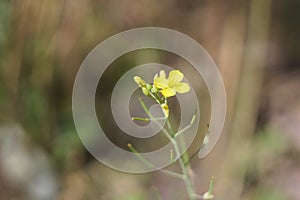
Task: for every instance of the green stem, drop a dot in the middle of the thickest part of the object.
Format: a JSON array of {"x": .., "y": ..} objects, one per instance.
[
  {"x": 172, "y": 156},
  {"x": 148, "y": 163},
  {"x": 184, "y": 168},
  {"x": 140, "y": 119},
  {"x": 170, "y": 127},
  {"x": 147, "y": 119},
  {"x": 211, "y": 186},
  {"x": 182, "y": 142}
]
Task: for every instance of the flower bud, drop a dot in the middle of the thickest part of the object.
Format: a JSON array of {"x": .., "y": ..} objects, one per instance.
[
  {"x": 139, "y": 81},
  {"x": 154, "y": 90},
  {"x": 145, "y": 91},
  {"x": 165, "y": 109},
  {"x": 208, "y": 196},
  {"x": 148, "y": 86}
]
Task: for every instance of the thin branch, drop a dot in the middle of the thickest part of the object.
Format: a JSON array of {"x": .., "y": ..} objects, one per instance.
[
  {"x": 187, "y": 127},
  {"x": 149, "y": 164}
]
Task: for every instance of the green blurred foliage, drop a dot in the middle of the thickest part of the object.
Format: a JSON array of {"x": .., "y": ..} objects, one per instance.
[{"x": 268, "y": 194}]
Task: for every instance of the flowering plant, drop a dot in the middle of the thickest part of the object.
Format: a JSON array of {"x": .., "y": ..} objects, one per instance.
[{"x": 160, "y": 90}]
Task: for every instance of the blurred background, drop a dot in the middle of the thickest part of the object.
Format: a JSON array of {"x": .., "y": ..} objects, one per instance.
[{"x": 255, "y": 44}]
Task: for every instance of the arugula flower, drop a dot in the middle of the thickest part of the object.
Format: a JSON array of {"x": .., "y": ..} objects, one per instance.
[
  {"x": 169, "y": 86},
  {"x": 166, "y": 86}
]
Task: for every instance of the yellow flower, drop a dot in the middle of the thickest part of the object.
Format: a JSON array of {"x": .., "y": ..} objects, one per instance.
[
  {"x": 165, "y": 109},
  {"x": 139, "y": 81},
  {"x": 169, "y": 87}
]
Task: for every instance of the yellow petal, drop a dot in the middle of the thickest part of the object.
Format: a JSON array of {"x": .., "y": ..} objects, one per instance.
[
  {"x": 182, "y": 87},
  {"x": 162, "y": 74},
  {"x": 160, "y": 82},
  {"x": 168, "y": 92},
  {"x": 175, "y": 76},
  {"x": 155, "y": 76}
]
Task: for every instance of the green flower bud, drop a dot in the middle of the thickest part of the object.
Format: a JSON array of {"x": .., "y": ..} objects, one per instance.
[
  {"x": 154, "y": 90},
  {"x": 149, "y": 87},
  {"x": 145, "y": 91},
  {"x": 165, "y": 109},
  {"x": 139, "y": 81}
]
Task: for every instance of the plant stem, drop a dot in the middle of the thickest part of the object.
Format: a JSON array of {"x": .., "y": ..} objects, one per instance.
[
  {"x": 140, "y": 119},
  {"x": 211, "y": 186},
  {"x": 170, "y": 127},
  {"x": 182, "y": 142},
  {"x": 148, "y": 163},
  {"x": 184, "y": 168}
]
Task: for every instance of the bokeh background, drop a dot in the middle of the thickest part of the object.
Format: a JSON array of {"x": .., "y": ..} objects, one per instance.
[{"x": 255, "y": 44}]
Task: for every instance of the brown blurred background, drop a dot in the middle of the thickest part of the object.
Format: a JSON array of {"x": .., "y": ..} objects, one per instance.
[{"x": 255, "y": 44}]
